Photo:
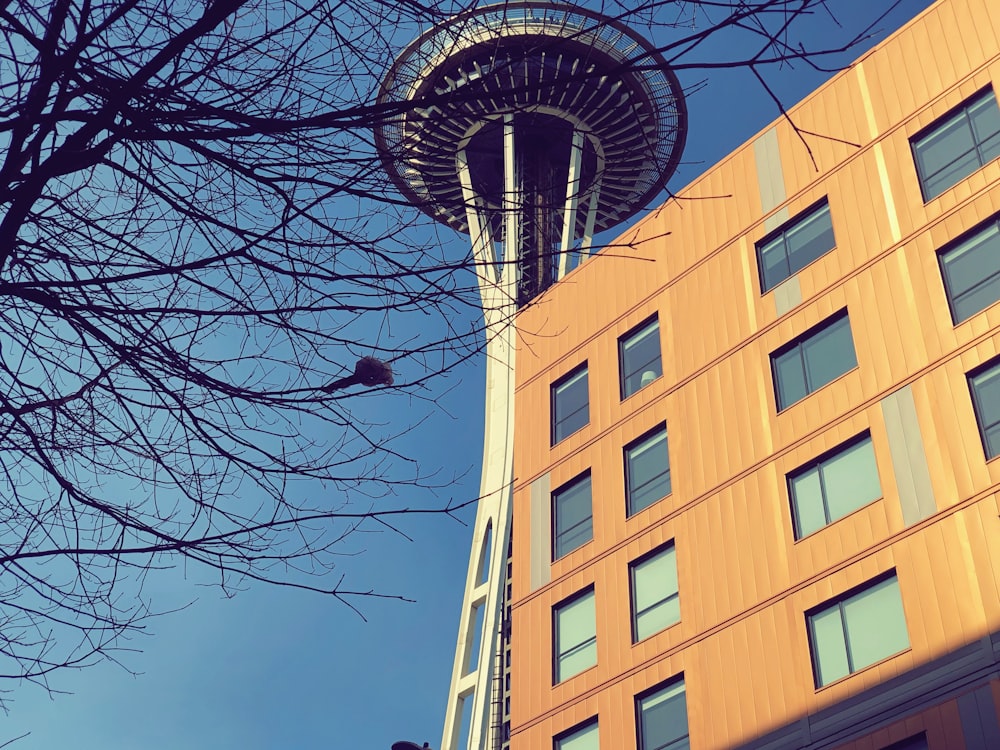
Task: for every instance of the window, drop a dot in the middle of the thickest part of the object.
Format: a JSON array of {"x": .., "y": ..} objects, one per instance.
[
  {"x": 795, "y": 245},
  {"x": 583, "y": 738},
  {"x": 971, "y": 271},
  {"x": 639, "y": 357},
  {"x": 834, "y": 485},
  {"x": 572, "y": 516},
  {"x": 857, "y": 630},
  {"x": 916, "y": 742},
  {"x": 818, "y": 356},
  {"x": 655, "y": 602},
  {"x": 662, "y": 718},
  {"x": 985, "y": 386},
  {"x": 570, "y": 404},
  {"x": 957, "y": 145},
  {"x": 647, "y": 470},
  {"x": 575, "y": 636}
]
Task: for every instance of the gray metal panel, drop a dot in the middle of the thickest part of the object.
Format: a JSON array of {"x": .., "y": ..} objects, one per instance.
[
  {"x": 979, "y": 719},
  {"x": 541, "y": 532},
  {"x": 769, "y": 176},
  {"x": 909, "y": 462},
  {"x": 776, "y": 219},
  {"x": 920, "y": 688},
  {"x": 787, "y": 295}
]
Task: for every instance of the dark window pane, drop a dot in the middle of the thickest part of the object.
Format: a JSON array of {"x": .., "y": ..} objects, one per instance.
[
  {"x": 798, "y": 244},
  {"x": 958, "y": 145},
  {"x": 570, "y": 405},
  {"x": 985, "y": 118},
  {"x": 791, "y": 380},
  {"x": 834, "y": 486},
  {"x": 808, "y": 509},
  {"x": 813, "y": 360},
  {"x": 573, "y": 521},
  {"x": 810, "y": 239},
  {"x": 663, "y": 719},
  {"x": 986, "y": 402},
  {"x": 640, "y": 358},
  {"x": 828, "y": 354},
  {"x": 972, "y": 272},
  {"x": 774, "y": 262},
  {"x": 647, "y": 467}
]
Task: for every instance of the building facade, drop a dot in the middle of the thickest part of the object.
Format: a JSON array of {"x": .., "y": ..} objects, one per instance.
[{"x": 756, "y": 475}]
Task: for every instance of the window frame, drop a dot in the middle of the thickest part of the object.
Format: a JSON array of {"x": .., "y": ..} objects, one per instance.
[
  {"x": 938, "y": 125},
  {"x": 634, "y": 333},
  {"x": 985, "y": 367},
  {"x": 553, "y": 398},
  {"x": 557, "y": 654},
  {"x": 951, "y": 247},
  {"x": 782, "y": 232},
  {"x": 567, "y": 734},
  {"x": 563, "y": 488},
  {"x": 641, "y": 740},
  {"x": 652, "y": 554},
  {"x": 818, "y": 463},
  {"x": 634, "y": 444},
  {"x": 839, "y": 603},
  {"x": 798, "y": 343}
]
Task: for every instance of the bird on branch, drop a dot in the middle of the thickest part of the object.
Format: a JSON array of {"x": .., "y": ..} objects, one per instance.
[{"x": 368, "y": 371}]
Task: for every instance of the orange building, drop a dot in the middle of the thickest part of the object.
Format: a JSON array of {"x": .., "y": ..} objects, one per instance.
[{"x": 756, "y": 494}]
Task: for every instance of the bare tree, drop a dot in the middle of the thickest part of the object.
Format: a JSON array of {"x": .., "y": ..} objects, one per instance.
[{"x": 198, "y": 248}]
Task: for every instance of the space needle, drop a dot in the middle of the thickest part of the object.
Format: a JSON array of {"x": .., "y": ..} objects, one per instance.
[{"x": 531, "y": 127}]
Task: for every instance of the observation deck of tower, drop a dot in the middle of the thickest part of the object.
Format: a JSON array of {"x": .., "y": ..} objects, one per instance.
[{"x": 531, "y": 126}]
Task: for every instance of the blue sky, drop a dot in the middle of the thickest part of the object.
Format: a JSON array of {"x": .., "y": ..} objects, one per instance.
[{"x": 274, "y": 668}]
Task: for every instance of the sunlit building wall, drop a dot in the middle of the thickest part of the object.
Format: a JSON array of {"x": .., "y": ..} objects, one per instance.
[{"x": 756, "y": 494}]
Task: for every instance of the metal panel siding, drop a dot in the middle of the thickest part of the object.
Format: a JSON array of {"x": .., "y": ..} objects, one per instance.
[{"x": 745, "y": 583}]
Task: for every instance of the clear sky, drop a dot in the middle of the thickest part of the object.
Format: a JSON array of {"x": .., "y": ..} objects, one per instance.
[{"x": 273, "y": 668}]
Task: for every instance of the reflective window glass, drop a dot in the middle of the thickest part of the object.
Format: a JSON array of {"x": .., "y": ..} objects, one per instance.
[
  {"x": 958, "y": 144},
  {"x": 572, "y": 516},
  {"x": 819, "y": 356},
  {"x": 857, "y": 630},
  {"x": 575, "y": 636},
  {"x": 971, "y": 271},
  {"x": 985, "y": 387},
  {"x": 570, "y": 404},
  {"x": 833, "y": 486},
  {"x": 655, "y": 602},
  {"x": 647, "y": 470},
  {"x": 639, "y": 354},
  {"x": 580, "y": 739},
  {"x": 662, "y": 718},
  {"x": 795, "y": 245}
]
